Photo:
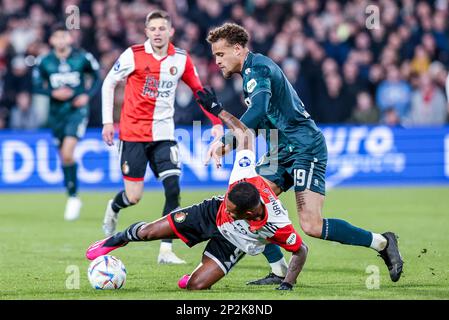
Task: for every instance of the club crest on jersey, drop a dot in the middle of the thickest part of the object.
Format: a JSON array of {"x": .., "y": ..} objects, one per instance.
[
  {"x": 244, "y": 162},
  {"x": 125, "y": 168},
  {"x": 173, "y": 70},
  {"x": 291, "y": 239},
  {"x": 64, "y": 67},
  {"x": 180, "y": 217},
  {"x": 117, "y": 65},
  {"x": 251, "y": 85}
]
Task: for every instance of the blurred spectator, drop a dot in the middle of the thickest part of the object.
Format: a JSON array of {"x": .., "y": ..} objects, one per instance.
[
  {"x": 329, "y": 40},
  {"x": 334, "y": 104},
  {"x": 429, "y": 105},
  {"x": 391, "y": 118},
  {"x": 23, "y": 116},
  {"x": 394, "y": 92},
  {"x": 365, "y": 112},
  {"x": 421, "y": 61},
  {"x": 291, "y": 68}
]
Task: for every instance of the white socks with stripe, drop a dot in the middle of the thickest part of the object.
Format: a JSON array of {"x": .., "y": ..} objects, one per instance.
[{"x": 279, "y": 267}]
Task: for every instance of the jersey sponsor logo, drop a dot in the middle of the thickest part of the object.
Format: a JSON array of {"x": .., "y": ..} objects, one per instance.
[
  {"x": 173, "y": 70},
  {"x": 154, "y": 88},
  {"x": 71, "y": 79},
  {"x": 251, "y": 85},
  {"x": 180, "y": 217},
  {"x": 291, "y": 239},
  {"x": 117, "y": 65},
  {"x": 125, "y": 168},
  {"x": 244, "y": 162}
]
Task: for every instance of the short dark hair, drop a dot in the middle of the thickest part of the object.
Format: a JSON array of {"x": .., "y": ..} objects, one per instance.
[
  {"x": 58, "y": 27},
  {"x": 245, "y": 196},
  {"x": 157, "y": 14},
  {"x": 231, "y": 32}
]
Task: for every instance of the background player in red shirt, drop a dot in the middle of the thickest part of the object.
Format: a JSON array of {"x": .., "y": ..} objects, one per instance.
[
  {"x": 249, "y": 217},
  {"x": 152, "y": 71}
]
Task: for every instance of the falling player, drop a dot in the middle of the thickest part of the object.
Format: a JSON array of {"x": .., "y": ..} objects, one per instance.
[{"x": 248, "y": 217}]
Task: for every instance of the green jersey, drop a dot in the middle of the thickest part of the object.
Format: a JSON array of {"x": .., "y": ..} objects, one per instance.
[
  {"x": 52, "y": 73},
  {"x": 284, "y": 110}
]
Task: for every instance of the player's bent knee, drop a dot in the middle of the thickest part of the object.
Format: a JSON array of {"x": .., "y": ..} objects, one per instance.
[
  {"x": 148, "y": 232},
  {"x": 133, "y": 198},
  {"x": 311, "y": 228}
]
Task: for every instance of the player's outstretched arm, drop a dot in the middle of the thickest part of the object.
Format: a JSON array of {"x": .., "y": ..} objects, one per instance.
[
  {"x": 244, "y": 136},
  {"x": 294, "y": 268}
]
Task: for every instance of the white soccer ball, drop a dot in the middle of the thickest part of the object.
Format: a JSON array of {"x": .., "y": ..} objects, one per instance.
[{"x": 106, "y": 273}]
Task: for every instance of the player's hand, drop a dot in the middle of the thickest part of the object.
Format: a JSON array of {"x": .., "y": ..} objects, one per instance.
[
  {"x": 285, "y": 286},
  {"x": 216, "y": 150},
  {"x": 80, "y": 100},
  {"x": 217, "y": 131},
  {"x": 108, "y": 133},
  {"x": 62, "y": 94},
  {"x": 208, "y": 99}
]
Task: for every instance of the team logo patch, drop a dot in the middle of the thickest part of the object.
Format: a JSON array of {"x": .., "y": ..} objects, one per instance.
[
  {"x": 173, "y": 71},
  {"x": 180, "y": 216},
  {"x": 251, "y": 85},
  {"x": 291, "y": 239},
  {"x": 247, "y": 70},
  {"x": 244, "y": 162},
  {"x": 117, "y": 65},
  {"x": 125, "y": 168}
]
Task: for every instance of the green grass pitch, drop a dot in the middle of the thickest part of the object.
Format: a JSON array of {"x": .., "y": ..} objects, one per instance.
[{"x": 40, "y": 253}]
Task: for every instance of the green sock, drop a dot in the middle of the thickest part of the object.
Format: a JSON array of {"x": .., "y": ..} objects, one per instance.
[{"x": 70, "y": 180}]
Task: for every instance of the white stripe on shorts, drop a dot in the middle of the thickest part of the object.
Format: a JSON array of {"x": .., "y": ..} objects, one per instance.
[
  {"x": 309, "y": 178},
  {"x": 222, "y": 267}
]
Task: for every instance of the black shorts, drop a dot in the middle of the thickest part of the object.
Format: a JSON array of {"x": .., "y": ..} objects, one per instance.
[
  {"x": 163, "y": 157},
  {"x": 197, "y": 223}
]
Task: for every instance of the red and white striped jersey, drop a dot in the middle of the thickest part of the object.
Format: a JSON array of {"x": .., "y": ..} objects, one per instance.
[
  {"x": 148, "y": 106},
  {"x": 252, "y": 236}
]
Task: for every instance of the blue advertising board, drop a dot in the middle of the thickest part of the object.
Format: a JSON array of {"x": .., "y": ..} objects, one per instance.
[{"x": 358, "y": 156}]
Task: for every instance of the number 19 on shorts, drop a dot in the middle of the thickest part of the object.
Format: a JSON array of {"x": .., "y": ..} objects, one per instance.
[{"x": 299, "y": 177}]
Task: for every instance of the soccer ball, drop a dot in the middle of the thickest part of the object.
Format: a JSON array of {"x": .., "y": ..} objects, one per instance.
[{"x": 106, "y": 273}]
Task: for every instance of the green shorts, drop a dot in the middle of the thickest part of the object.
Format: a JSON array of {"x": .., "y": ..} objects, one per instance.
[
  {"x": 287, "y": 167},
  {"x": 72, "y": 124}
]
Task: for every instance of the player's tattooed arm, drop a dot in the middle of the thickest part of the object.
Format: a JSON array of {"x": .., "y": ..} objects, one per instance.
[
  {"x": 296, "y": 264},
  {"x": 244, "y": 136}
]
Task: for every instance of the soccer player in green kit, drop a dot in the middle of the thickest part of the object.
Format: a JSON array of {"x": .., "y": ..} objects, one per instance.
[
  {"x": 298, "y": 159},
  {"x": 60, "y": 75}
]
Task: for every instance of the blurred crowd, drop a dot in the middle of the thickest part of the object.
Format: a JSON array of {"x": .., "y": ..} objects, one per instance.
[{"x": 350, "y": 61}]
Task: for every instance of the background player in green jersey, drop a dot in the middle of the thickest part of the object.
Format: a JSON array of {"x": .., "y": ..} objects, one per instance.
[
  {"x": 299, "y": 156},
  {"x": 61, "y": 75}
]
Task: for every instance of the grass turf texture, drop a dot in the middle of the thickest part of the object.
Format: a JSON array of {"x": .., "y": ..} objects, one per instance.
[{"x": 37, "y": 248}]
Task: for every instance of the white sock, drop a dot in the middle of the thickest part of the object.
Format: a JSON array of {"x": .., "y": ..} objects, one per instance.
[
  {"x": 379, "y": 242},
  {"x": 279, "y": 268},
  {"x": 165, "y": 246}
]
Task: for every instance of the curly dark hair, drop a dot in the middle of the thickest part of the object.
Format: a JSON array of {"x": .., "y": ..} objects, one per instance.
[
  {"x": 231, "y": 32},
  {"x": 245, "y": 196}
]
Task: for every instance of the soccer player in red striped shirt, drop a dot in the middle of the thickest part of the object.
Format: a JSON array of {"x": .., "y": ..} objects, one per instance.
[{"x": 152, "y": 71}]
